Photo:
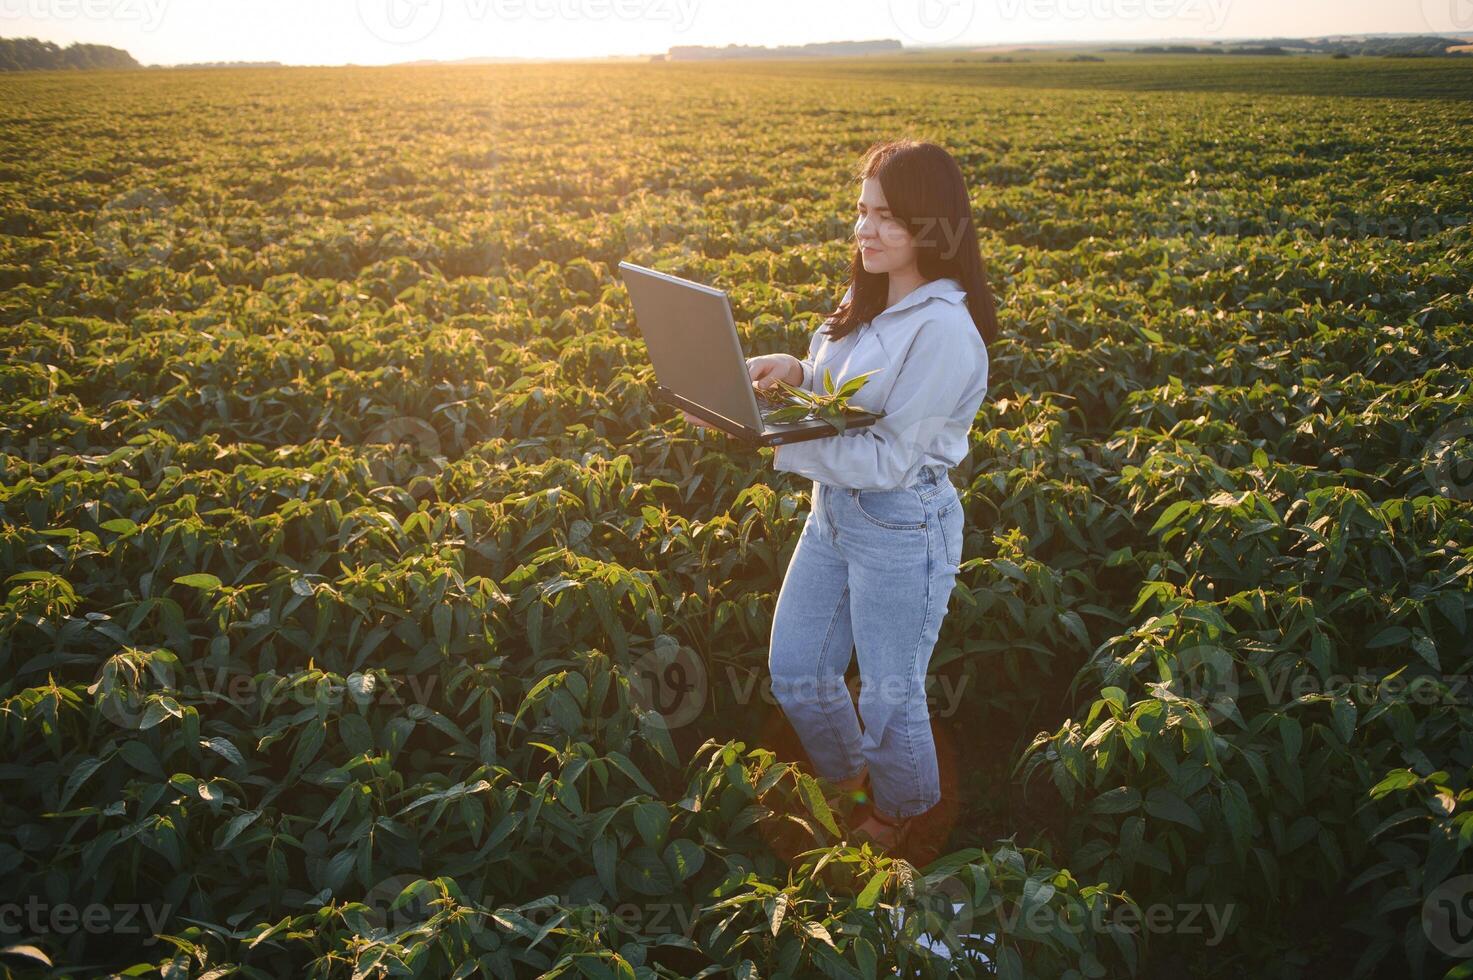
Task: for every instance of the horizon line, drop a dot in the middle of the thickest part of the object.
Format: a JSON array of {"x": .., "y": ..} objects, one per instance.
[{"x": 1014, "y": 45}]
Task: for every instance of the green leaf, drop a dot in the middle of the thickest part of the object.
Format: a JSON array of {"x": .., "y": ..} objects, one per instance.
[
  {"x": 1426, "y": 649},
  {"x": 1009, "y": 964},
  {"x": 530, "y": 697},
  {"x": 657, "y": 733},
  {"x": 85, "y": 768},
  {"x": 1343, "y": 715},
  {"x": 1238, "y": 813},
  {"x": 812, "y": 795},
  {"x": 1170, "y": 515},
  {"x": 1292, "y": 735},
  {"x": 1390, "y": 636},
  {"x": 1036, "y": 895},
  {"x": 871, "y": 891},
  {"x": 1075, "y": 625},
  {"x": 1121, "y": 799},
  {"x": 854, "y": 384},
  {"x": 200, "y": 580},
  {"x": 141, "y": 757},
  {"x": 1163, "y": 803},
  {"x": 628, "y": 768},
  {"x": 684, "y": 858},
  {"x": 224, "y": 748},
  {"x": 1397, "y": 779},
  {"x": 644, "y": 871},
  {"x": 865, "y": 956},
  {"x": 816, "y": 930},
  {"x": 652, "y": 820},
  {"x": 605, "y": 858}
]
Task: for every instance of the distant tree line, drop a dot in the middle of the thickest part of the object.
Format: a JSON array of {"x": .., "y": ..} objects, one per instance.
[
  {"x": 1418, "y": 46},
  {"x": 1268, "y": 49},
  {"x": 30, "y": 54},
  {"x": 220, "y": 64},
  {"x": 700, "y": 52}
]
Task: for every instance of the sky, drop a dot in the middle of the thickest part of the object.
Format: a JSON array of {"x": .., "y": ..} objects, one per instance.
[{"x": 330, "y": 32}]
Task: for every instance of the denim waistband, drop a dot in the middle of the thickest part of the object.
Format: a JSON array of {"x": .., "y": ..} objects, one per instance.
[{"x": 930, "y": 475}]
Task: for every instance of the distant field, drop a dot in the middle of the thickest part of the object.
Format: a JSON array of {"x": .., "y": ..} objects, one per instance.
[
  {"x": 1392, "y": 78},
  {"x": 345, "y": 550}
]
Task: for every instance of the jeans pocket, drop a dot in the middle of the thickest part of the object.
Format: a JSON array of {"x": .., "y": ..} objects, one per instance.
[
  {"x": 952, "y": 522},
  {"x": 899, "y": 510}
]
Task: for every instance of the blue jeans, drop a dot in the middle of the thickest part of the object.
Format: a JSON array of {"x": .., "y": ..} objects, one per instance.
[{"x": 873, "y": 571}]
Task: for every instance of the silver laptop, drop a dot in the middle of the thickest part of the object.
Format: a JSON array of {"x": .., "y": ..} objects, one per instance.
[{"x": 699, "y": 365}]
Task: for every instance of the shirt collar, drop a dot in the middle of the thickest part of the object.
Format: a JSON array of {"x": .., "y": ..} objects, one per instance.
[{"x": 945, "y": 288}]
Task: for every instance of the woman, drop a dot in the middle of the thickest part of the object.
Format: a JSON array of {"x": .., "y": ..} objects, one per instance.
[{"x": 879, "y": 552}]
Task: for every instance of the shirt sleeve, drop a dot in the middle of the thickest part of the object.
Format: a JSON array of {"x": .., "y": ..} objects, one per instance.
[{"x": 938, "y": 370}]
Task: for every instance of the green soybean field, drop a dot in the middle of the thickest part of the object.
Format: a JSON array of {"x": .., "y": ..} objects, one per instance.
[{"x": 365, "y": 613}]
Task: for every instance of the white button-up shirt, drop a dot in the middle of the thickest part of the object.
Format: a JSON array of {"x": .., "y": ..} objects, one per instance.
[{"x": 930, "y": 365}]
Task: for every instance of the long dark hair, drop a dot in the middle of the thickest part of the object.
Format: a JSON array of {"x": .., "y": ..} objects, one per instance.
[{"x": 925, "y": 189}]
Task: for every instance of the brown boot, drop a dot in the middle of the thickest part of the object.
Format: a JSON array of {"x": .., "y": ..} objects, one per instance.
[
  {"x": 883, "y": 832},
  {"x": 845, "y": 794}
]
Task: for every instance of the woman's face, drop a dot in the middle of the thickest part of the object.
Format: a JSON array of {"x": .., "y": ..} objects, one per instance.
[{"x": 884, "y": 242}]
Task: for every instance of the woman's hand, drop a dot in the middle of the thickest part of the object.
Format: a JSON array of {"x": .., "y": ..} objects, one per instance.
[
  {"x": 765, "y": 371},
  {"x": 697, "y": 420},
  {"x": 769, "y": 369}
]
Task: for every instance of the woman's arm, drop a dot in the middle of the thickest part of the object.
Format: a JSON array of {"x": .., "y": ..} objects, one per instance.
[{"x": 945, "y": 368}]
